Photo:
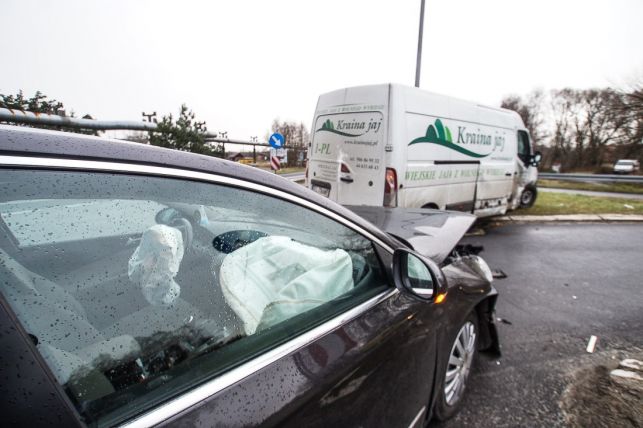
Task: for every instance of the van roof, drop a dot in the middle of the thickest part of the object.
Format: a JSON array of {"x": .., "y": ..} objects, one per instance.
[{"x": 486, "y": 114}]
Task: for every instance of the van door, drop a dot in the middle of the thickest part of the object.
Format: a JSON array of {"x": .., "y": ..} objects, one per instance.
[
  {"x": 346, "y": 159},
  {"x": 525, "y": 172}
]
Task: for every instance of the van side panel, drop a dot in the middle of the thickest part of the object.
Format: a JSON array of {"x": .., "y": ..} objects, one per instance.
[
  {"x": 457, "y": 153},
  {"x": 435, "y": 173},
  {"x": 498, "y": 170}
]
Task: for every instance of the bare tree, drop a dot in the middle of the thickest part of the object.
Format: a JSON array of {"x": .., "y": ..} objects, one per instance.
[
  {"x": 296, "y": 134},
  {"x": 629, "y": 106},
  {"x": 530, "y": 109},
  {"x": 563, "y": 123},
  {"x": 583, "y": 128}
]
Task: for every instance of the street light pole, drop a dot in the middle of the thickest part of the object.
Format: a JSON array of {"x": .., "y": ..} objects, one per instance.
[{"x": 418, "y": 63}]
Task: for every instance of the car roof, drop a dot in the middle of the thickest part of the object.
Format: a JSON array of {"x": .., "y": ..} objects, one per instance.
[{"x": 26, "y": 141}]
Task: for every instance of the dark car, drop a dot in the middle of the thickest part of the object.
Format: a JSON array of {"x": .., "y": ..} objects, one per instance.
[{"x": 143, "y": 286}]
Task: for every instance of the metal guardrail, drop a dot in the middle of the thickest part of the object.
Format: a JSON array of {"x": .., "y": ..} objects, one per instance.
[
  {"x": 21, "y": 116},
  {"x": 28, "y": 117},
  {"x": 593, "y": 177}
]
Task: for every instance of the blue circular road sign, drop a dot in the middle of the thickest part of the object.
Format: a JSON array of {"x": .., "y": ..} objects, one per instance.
[{"x": 277, "y": 140}]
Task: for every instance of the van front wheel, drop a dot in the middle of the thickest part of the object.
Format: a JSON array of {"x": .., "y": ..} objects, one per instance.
[{"x": 528, "y": 197}]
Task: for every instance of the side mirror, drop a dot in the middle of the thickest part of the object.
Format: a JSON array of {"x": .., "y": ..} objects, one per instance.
[
  {"x": 535, "y": 160},
  {"x": 417, "y": 276}
]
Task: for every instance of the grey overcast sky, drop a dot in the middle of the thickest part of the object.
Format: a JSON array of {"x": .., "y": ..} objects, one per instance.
[{"x": 240, "y": 64}]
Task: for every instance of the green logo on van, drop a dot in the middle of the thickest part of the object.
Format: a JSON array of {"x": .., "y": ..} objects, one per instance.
[
  {"x": 441, "y": 135},
  {"x": 329, "y": 126}
]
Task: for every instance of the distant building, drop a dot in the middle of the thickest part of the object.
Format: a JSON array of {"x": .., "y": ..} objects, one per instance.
[{"x": 235, "y": 156}]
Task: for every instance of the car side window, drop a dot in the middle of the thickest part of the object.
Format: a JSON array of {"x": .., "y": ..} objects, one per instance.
[{"x": 135, "y": 289}]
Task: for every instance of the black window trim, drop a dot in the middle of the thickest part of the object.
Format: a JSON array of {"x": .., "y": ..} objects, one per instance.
[{"x": 118, "y": 167}]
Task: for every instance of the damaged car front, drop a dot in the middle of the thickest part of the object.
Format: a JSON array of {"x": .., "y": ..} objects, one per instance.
[{"x": 466, "y": 293}]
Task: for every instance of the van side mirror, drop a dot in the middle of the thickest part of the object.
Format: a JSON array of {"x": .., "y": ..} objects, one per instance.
[
  {"x": 535, "y": 159},
  {"x": 417, "y": 276}
]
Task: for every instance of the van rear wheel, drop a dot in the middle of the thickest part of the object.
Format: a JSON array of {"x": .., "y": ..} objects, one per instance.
[{"x": 431, "y": 206}]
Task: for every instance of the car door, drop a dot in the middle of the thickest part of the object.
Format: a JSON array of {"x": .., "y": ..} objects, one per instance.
[{"x": 245, "y": 305}]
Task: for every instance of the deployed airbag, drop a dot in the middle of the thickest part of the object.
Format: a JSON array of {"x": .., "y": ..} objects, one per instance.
[
  {"x": 276, "y": 278},
  {"x": 156, "y": 262}
]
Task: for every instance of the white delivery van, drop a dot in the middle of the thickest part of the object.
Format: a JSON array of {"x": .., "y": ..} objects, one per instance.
[{"x": 395, "y": 145}]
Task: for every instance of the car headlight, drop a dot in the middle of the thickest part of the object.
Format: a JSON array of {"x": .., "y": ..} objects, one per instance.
[{"x": 483, "y": 268}]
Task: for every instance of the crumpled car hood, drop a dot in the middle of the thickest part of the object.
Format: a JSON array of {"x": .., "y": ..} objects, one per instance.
[{"x": 431, "y": 233}]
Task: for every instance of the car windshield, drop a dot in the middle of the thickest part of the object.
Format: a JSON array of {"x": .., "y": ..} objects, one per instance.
[{"x": 625, "y": 163}]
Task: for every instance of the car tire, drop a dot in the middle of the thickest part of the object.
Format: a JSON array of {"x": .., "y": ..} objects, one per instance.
[
  {"x": 528, "y": 197},
  {"x": 457, "y": 368},
  {"x": 431, "y": 206}
]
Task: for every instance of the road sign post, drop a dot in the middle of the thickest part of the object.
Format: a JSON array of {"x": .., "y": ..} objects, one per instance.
[
  {"x": 277, "y": 152},
  {"x": 275, "y": 163},
  {"x": 277, "y": 158},
  {"x": 277, "y": 141}
]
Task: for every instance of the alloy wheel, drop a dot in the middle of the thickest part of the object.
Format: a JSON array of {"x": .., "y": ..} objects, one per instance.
[{"x": 459, "y": 366}]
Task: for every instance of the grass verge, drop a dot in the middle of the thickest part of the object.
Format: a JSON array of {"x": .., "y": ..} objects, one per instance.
[
  {"x": 564, "y": 203},
  {"x": 287, "y": 170},
  {"x": 597, "y": 187}
]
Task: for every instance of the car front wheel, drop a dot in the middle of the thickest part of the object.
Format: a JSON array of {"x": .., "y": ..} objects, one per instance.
[{"x": 458, "y": 367}]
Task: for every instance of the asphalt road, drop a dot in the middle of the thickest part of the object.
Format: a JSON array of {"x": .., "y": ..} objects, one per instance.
[{"x": 565, "y": 283}]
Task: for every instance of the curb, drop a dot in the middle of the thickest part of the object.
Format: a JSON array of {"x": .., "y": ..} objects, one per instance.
[{"x": 573, "y": 218}]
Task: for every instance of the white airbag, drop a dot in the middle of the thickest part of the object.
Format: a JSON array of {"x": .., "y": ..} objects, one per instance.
[
  {"x": 276, "y": 278},
  {"x": 156, "y": 262}
]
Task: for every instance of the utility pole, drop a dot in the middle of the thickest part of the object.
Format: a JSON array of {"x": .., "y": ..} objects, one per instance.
[
  {"x": 418, "y": 63},
  {"x": 254, "y": 150}
]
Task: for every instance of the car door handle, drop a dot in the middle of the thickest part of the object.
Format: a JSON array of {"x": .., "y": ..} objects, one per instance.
[
  {"x": 507, "y": 174},
  {"x": 346, "y": 180}
]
